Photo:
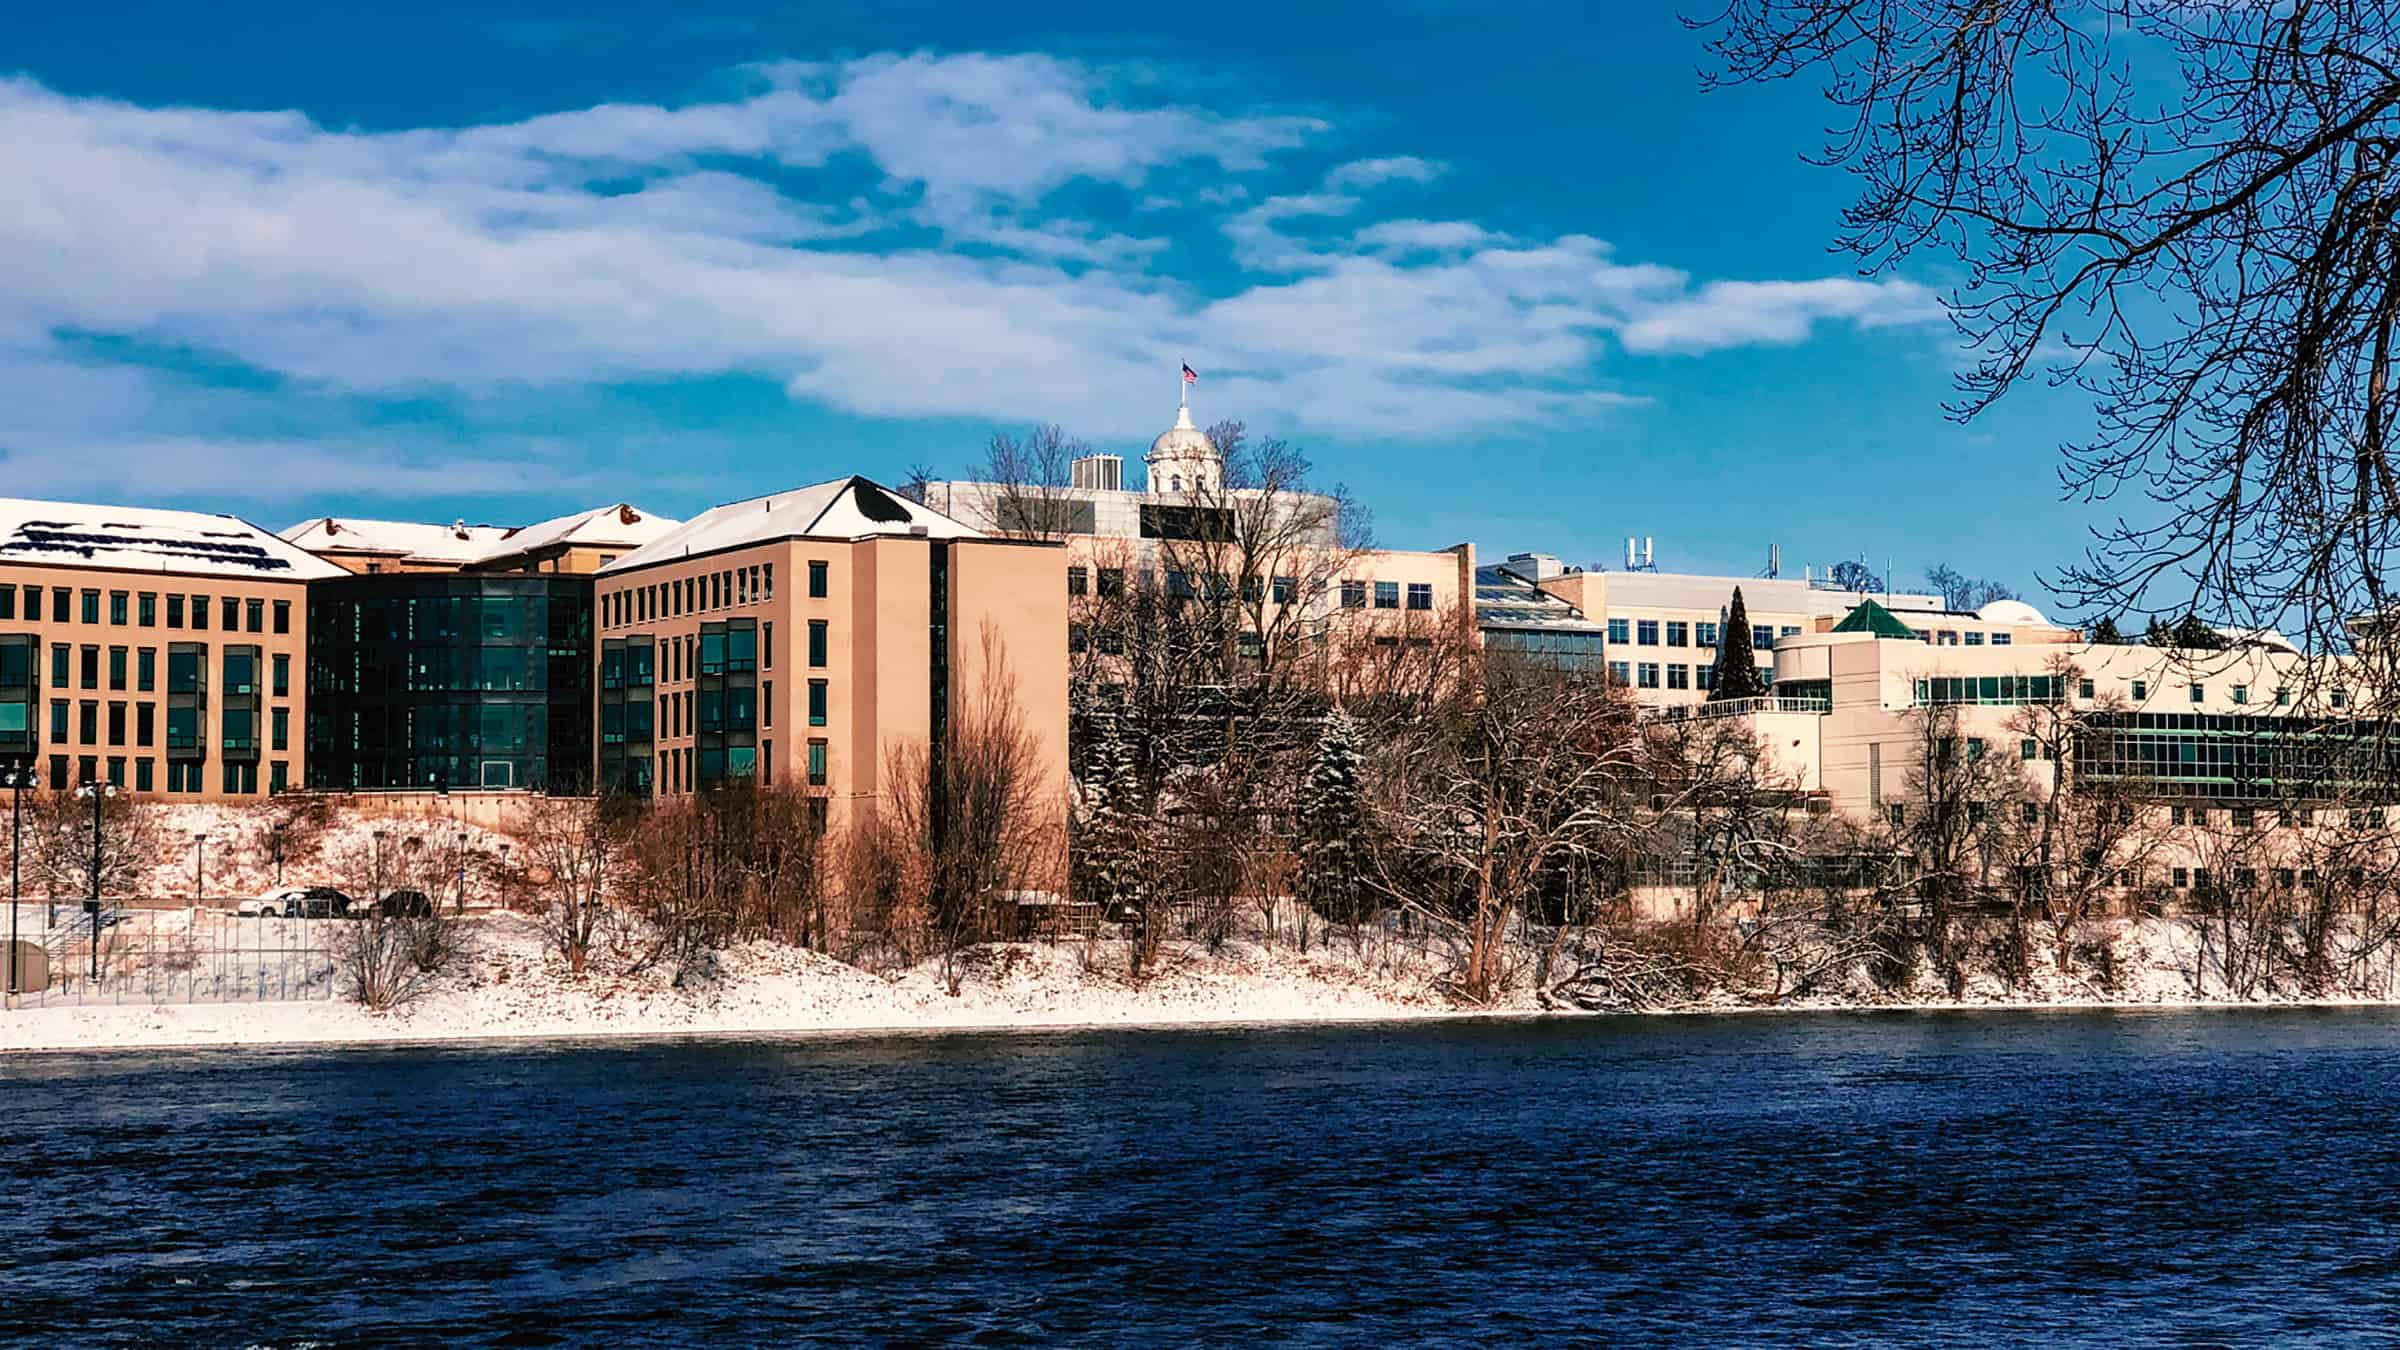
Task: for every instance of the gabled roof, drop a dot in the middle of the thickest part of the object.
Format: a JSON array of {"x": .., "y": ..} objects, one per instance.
[
  {"x": 618, "y": 525},
  {"x": 1870, "y": 617},
  {"x": 142, "y": 539},
  {"x": 459, "y": 543},
  {"x": 844, "y": 508}
]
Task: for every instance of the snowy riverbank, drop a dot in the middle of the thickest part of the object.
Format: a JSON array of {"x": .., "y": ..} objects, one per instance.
[{"x": 510, "y": 988}]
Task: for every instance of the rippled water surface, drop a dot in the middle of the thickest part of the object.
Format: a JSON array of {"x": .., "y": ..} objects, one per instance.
[{"x": 1964, "y": 1179}]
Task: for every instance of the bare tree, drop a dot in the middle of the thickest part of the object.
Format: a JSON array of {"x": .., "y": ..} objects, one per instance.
[
  {"x": 73, "y": 860},
  {"x": 573, "y": 848},
  {"x": 2208, "y": 249},
  {"x": 1029, "y": 478}
]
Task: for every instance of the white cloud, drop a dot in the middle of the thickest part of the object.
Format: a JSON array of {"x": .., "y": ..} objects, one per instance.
[
  {"x": 1360, "y": 174},
  {"x": 1744, "y": 313},
  {"x": 905, "y": 236}
]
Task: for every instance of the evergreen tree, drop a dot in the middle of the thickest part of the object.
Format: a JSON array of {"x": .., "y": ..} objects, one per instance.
[
  {"x": 1332, "y": 826},
  {"x": 1111, "y": 853},
  {"x": 1737, "y": 663},
  {"x": 2105, "y": 634}
]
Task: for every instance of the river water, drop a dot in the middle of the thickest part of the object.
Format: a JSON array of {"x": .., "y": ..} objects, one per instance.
[{"x": 1971, "y": 1179}]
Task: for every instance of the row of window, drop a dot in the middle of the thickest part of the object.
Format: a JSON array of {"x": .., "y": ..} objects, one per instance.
[
  {"x": 140, "y": 774},
  {"x": 688, "y": 769},
  {"x": 729, "y": 588},
  {"x": 1648, "y": 674},
  {"x": 235, "y": 614},
  {"x": 237, "y": 727},
  {"x": 136, "y": 668},
  {"x": 1679, "y": 633},
  {"x": 1952, "y": 637},
  {"x": 730, "y": 649}
]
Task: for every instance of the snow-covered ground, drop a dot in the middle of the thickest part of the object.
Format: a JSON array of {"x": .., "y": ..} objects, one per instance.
[{"x": 511, "y": 987}]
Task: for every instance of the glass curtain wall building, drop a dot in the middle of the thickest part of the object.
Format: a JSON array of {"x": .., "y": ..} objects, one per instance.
[{"x": 451, "y": 680}]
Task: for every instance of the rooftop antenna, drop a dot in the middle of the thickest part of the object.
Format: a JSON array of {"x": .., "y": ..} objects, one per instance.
[{"x": 1774, "y": 561}]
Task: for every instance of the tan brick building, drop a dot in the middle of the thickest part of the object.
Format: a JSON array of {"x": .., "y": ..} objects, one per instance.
[
  {"x": 161, "y": 651},
  {"x": 802, "y": 637}
]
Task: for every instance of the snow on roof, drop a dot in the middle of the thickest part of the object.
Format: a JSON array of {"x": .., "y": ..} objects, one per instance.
[
  {"x": 456, "y": 543},
  {"x": 845, "y": 508},
  {"x": 145, "y": 539},
  {"x": 617, "y": 525}
]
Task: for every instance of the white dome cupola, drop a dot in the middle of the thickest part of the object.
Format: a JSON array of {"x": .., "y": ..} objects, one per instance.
[{"x": 1184, "y": 459}]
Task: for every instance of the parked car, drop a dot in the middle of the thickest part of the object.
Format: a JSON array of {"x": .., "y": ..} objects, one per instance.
[
  {"x": 318, "y": 902},
  {"x": 407, "y": 905},
  {"x": 272, "y": 905}
]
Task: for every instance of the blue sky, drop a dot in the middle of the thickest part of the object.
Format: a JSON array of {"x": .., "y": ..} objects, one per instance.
[{"x": 1503, "y": 270}]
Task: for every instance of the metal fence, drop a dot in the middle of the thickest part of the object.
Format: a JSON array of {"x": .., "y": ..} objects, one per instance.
[{"x": 179, "y": 955}]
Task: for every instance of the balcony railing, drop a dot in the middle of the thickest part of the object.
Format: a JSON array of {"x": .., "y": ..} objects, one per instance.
[{"x": 1739, "y": 707}]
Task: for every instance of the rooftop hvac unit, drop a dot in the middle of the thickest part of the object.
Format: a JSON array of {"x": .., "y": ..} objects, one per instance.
[{"x": 1105, "y": 473}]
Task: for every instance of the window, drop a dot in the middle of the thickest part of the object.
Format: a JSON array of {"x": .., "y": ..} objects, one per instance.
[
  {"x": 1898, "y": 812},
  {"x": 1645, "y": 632},
  {"x": 89, "y": 667},
  {"x": 283, "y": 676},
  {"x": 1704, "y": 635},
  {"x": 2244, "y": 817},
  {"x": 1974, "y": 639},
  {"x": 766, "y": 581},
  {"x": 1620, "y": 631},
  {"x": 116, "y": 669},
  {"x": 229, "y": 614},
  {"x": 1791, "y": 630},
  {"x": 183, "y": 668},
  {"x": 279, "y": 734},
  {"x": 116, "y": 722},
  {"x": 279, "y": 776},
  {"x": 1647, "y": 674},
  {"x": 174, "y": 611},
  {"x": 254, "y": 616},
  {"x": 2141, "y": 690},
  {"x": 1974, "y": 748},
  {"x": 1679, "y": 634},
  {"x": 1079, "y": 581},
  {"x": 2283, "y": 696},
  {"x": 2199, "y": 815},
  {"x": 2182, "y": 878},
  {"x": 145, "y": 723},
  {"x": 2340, "y": 698},
  {"x": 1354, "y": 595},
  {"x": 199, "y": 617},
  {"x": 2176, "y": 815},
  {"x": 1387, "y": 595},
  {"x": 766, "y": 645},
  {"x": 59, "y": 603},
  {"x": 58, "y": 719},
  {"x": 144, "y": 778},
  {"x": 816, "y": 763},
  {"x": 87, "y": 722},
  {"x": 1620, "y": 672},
  {"x": 8, "y": 602},
  {"x": 2083, "y": 689},
  {"x": 1679, "y": 676},
  {"x": 1762, "y": 636},
  {"x": 1420, "y": 595},
  {"x": 283, "y": 615},
  {"x": 816, "y": 580},
  {"x": 61, "y": 656},
  {"x": 2028, "y": 748},
  {"x": 149, "y": 611},
  {"x": 33, "y": 604},
  {"x": 2241, "y": 693},
  {"x": 145, "y": 669},
  {"x": 91, "y": 604},
  {"x": 816, "y": 703},
  {"x": 741, "y": 649},
  {"x": 118, "y": 602},
  {"x": 1285, "y": 590},
  {"x": 2002, "y": 640},
  {"x": 816, "y": 644},
  {"x": 2028, "y": 812},
  {"x": 2199, "y": 691},
  {"x": 241, "y": 670},
  {"x": 1704, "y": 677}
]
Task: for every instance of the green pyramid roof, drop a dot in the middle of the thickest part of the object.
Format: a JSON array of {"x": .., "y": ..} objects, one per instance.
[{"x": 1870, "y": 617}]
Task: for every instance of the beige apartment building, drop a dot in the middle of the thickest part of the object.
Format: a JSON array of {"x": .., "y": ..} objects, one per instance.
[
  {"x": 806, "y": 637},
  {"x": 162, "y": 652}
]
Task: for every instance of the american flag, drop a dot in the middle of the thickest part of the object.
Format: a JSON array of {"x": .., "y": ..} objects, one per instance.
[{"x": 1190, "y": 376}]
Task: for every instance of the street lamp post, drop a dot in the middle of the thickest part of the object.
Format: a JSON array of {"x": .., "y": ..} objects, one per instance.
[
  {"x": 99, "y": 793},
  {"x": 17, "y": 778}
]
